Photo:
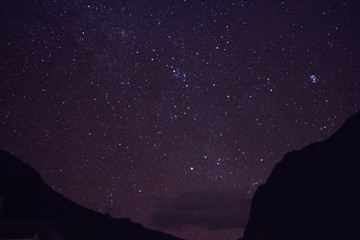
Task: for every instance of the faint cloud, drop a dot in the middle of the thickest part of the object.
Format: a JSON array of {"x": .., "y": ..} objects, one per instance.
[{"x": 212, "y": 210}]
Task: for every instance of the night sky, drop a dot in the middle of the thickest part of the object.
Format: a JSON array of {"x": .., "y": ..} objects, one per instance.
[{"x": 172, "y": 113}]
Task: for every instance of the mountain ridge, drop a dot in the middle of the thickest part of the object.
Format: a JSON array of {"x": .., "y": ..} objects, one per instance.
[
  {"x": 312, "y": 193},
  {"x": 27, "y": 198}
]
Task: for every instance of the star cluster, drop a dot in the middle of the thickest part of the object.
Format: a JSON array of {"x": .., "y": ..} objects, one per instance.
[{"x": 141, "y": 108}]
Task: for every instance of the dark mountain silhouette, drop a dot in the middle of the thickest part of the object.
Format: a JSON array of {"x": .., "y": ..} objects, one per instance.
[
  {"x": 26, "y": 198},
  {"x": 313, "y": 193}
]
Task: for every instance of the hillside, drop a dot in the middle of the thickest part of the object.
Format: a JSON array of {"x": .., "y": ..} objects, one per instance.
[
  {"x": 313, "y": 193},
  {"x": 26, "y": 198}
]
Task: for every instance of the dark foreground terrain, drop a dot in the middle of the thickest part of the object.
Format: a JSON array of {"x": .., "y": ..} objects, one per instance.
[
  {"x": 29, "y": 206},
  {"x": 313, "y": 193}
]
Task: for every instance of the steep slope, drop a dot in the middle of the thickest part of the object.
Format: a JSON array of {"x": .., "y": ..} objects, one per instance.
[
  {"x": 313, "y": 193},
  {"x": 26, "y": 198}
]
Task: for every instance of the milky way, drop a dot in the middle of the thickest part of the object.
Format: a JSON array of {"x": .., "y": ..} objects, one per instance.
[{"x": 172, "y": 113}]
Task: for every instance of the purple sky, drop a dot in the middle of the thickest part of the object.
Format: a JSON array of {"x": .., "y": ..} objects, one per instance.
[{"x": 172, "y": 113}]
